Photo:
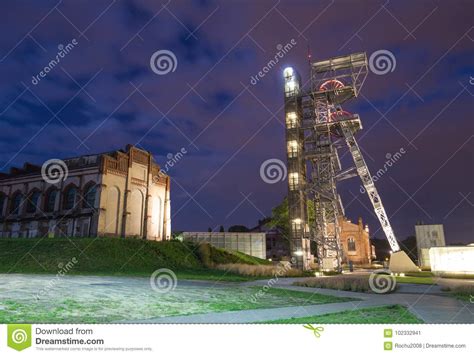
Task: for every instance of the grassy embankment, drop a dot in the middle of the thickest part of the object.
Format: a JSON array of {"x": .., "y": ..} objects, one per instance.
[{"x": 121, "y": 257}]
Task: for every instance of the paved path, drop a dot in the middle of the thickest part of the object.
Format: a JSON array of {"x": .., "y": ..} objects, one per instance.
[{"x": 427, "y": 302}]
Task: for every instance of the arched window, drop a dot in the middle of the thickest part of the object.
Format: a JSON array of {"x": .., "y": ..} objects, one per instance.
[
  {"x": 16, "y": 203},
  {"x": 70, "y": 198},
  {"x": 33, "y": 202},
  {"x": 351, "y": 245},
  {"x": 50, "y": 201},
  {"x": 89, "y": 196},
  {"x": 2, "y": 203}
]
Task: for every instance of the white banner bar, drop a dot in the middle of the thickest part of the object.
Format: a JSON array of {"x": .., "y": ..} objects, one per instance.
[{"x": 237, "y": 339}]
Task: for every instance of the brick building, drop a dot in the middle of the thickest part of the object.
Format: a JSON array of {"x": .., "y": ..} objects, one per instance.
[{"x": 120, "y": 193}]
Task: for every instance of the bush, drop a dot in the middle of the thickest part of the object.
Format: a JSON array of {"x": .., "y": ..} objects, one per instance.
[
  {"x": 203, "y": 252},
  {"x": 352, "y": 283},
  {"x": 454, "y": 275},
  {"x": 260, "y": 270}
]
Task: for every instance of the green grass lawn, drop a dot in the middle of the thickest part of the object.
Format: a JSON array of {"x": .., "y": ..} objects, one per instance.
[
  {"x": 96, "y": 300},
  {"x": 119, "y": 257},
  {"x": 392, "y": 314},
  {"x": 416, "y": 280}
]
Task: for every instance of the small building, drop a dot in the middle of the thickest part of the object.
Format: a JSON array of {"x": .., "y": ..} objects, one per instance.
[
  {"x": 355, "y": 243},
  {"x": 121, "y": 193},
  {"x": 251, "y": 243},
  {"x": 277, "y": 245},
  {"x": 452, "y": 259},
  {"x": 428, "y": 236}
]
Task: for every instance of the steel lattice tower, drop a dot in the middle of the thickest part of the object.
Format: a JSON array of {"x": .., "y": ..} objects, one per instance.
[{"x": 316, "y": 126}]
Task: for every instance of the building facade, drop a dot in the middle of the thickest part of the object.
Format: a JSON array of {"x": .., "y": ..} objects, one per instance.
[
  {"x": 355, "y": 242},
  {"x": 428, "y": 236},
  {"x": 251, "y": 243},
  {"x": 452, "y": 259},
  {"x": 121, "y": 193}
]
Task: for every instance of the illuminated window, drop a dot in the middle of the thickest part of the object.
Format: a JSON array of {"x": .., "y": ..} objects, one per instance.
[
  {"x": 288, "y": 72},
  {"x": 297, "y": 224},
  {"x": 293, "y": 180},
  {"x": 351, "y": 245},
  {"x": 291, "y": 120},
  {"x": 290, "y": 86},
  {"x": 292, "y": 147}
]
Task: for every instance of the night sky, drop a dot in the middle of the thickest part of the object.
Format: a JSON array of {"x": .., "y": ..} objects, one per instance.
[{"x": 103, "y": 95}]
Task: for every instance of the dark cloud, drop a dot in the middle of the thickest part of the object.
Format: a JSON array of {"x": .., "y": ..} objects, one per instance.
[{"x": 226, "y": 130}]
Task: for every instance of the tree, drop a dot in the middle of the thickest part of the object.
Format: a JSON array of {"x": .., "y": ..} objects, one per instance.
[
  {"x": 281, "y": 219},
  {"x": 238, "y": 228},
  {"x": 209, "y": 229},
  {"x": 221, "y": 229}
]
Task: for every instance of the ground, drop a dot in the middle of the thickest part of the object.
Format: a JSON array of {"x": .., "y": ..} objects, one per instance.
[
  {"x": 108, "y": 280},
  {"x": 95, "y": 299},
  {"x": 375, "y": 315},
  {"x": 43, "y": 298}
]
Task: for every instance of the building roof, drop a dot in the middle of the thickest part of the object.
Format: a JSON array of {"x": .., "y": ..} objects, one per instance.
[{"x": 84, "y": 161}]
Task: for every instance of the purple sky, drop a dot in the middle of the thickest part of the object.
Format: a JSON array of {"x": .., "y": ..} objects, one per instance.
[{"x": 228, "y": 126}]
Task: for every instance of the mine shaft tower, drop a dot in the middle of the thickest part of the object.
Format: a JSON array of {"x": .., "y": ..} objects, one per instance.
[{"x": 316, "y": 126}]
